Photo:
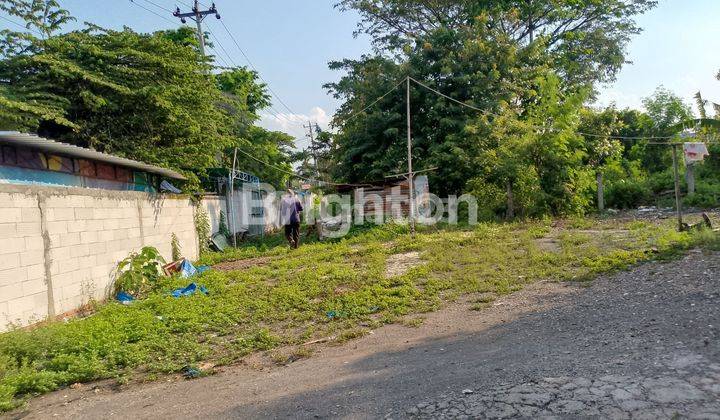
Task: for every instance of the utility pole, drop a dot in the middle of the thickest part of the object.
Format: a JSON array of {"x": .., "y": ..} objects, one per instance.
[
  {"x": 198, "y": 16},
  {"x": 410, "y": 168},
  {"x": 311, "y": 129},
  {"x": 678, "y": 202}
]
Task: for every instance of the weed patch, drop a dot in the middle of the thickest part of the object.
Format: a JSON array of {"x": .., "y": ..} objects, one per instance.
[{"x": 338, "y": 289}]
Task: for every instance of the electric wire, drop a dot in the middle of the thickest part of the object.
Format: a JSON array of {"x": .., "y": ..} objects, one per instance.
[{"x": 539, "y": 127}]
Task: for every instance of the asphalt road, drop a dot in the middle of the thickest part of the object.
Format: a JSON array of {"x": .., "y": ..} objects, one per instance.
[{"x": 640, "y": 344}]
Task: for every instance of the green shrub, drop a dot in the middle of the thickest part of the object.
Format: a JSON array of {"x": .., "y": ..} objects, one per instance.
[
  {"x": 707, "y": 195},
  {"x": 139, "y": 272},
  {"x": 627, "y": 194}
]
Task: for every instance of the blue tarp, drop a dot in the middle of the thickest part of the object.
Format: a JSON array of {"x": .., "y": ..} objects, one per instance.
[
  {"x": 124, "y": 298},
  {"x": 189, "y": 290}
]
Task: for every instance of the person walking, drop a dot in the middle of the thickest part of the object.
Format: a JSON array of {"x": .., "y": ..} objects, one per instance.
[{"x": 290, "y": 209}]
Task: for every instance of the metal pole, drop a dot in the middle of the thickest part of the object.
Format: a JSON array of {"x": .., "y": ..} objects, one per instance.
[
  {"x": 231, "y": 216},
  {"x": 198, "y": 22},
  {"x": 410, "y": 168},
  {"x": 678, "y": 204}
]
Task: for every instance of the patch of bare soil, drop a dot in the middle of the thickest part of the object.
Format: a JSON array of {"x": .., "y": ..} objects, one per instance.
[
  {"x": 399, "y": 264},
  {"x": 548, "y": 244},
  {"x": 242, "y": 264}
]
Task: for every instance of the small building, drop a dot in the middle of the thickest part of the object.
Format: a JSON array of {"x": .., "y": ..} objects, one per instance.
[{"x": 27, "y": 159}]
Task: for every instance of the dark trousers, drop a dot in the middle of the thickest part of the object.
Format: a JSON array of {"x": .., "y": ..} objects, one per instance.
[{"x": 292, "y": 234}]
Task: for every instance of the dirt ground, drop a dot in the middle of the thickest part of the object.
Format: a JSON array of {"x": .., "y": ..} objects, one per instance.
[{"x": 636, "y": 344}]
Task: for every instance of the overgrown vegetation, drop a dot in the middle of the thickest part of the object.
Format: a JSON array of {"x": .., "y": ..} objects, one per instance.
[
  {"x": 139, "y": 273},
  {"x": 335, "y": 289}
]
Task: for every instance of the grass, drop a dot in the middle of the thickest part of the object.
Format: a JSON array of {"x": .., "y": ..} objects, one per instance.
[{"x": 323, "y": 289}]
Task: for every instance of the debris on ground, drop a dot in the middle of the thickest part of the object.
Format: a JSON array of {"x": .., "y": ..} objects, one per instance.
[
  {"x": 189, "y": 290},
  {"x": 320, "y": 340},
  {"x": 189, "y": 372},
  {"x": 184, "y": 267},
  {"x": 124, "y": 298}
]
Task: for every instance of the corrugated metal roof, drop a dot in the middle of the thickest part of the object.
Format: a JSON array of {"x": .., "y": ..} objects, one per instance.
[{"x": 33, "y": 141}]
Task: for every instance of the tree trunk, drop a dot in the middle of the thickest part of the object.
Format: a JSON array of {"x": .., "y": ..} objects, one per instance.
[
  {"x": 690, "y": 177},
  {"x": 510, "y": 202},
  {"x": 600, "y": 191}
]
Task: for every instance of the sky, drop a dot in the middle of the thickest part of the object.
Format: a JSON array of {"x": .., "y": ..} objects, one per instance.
[{"x": 290, "y": 43}]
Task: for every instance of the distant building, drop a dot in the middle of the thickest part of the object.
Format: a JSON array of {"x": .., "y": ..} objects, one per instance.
[{"x": 27, "y": 159}]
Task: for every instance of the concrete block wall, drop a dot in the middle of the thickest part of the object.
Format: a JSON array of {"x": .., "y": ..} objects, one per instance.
[{"x": 59, "y": 246}]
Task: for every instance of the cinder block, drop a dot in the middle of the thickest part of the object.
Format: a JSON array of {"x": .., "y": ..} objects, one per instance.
[
  {"x": 76, "y": 201},
  {"x": 60, "y": 253},
  {"x": 98, "y": 248},
  {"x": 79, "y": 250},
  {"x": 60, "y": 213},
  {"x": 70, "y": 239},
  {"x": 10, "y": 214},
  {"x": 32, "y": 257},
  {"x": 12, "y": 245},
  {"x": 61, "y": 279},
  {"x": 11, "y": 292},
  {"x": 105, "y": 236},
  {"x": 93, "y": 225},
  {"x": 57, "y": 227},
  {"x": 84, "y": 213},
  {"x": 129, "y": 222},
  {"x": 87, "y": 262},
  {"x": 18, "y": 305},
  {"x": 8, "y": 261},
  {"x": 29, "y": 229},
  {"x": 102, "y": 271},
  {"x": 76, "y": 226},
  {"x": 30, "y": 214},
  {"x": 88, "y": 237},
  {"x": 120, "y": 234},
  {"x": 36, "y": 271},
  {"x": 67, "y": 266},
  {"x": 18, "y": 200},
  {"x": 55, "y": 201},
  {"x": 30, "y": 287},
  {"x": 8, "y": 230},
  {"x": 111, "y": 224}
]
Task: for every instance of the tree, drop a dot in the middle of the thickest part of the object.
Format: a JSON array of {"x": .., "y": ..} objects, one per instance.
[
  {"x": 534, "y": 160},
  {"x": 665, "y": 109},
  {"x": 485, "y": 72},
  {"x": 600, "y": 148},
  {"x": 141, "y": 96},
  {"x": 587, "y": 38}
]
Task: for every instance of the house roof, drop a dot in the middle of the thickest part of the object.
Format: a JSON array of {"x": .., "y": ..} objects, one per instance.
[{"x": 14, "y": 138}]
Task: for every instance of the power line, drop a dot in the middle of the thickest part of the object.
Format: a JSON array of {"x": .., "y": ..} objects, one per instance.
[
  {"x": 153, "y": 12},
  {"x": 355, "y": 114},
  {"x": 21, "y": 25},
  {"x": 255, "y": 68},
  {"x": 278, "y": 115},
  {"x": 540, "y": 127}
]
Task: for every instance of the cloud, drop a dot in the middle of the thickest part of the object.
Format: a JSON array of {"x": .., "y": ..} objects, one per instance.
[{"x": 292, "y": 124}]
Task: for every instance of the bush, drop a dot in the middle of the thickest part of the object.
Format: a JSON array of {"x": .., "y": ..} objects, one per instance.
[
  {"x": 627, "y": 194},
  {"x": 139, "y": 272},
  {"x": 707, "y": 195}
]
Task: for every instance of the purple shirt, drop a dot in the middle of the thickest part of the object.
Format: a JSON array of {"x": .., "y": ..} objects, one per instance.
[{"x": 290, "y": 209}]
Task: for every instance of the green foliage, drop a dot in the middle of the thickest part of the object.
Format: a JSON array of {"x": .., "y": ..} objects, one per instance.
[
  {"x": 175, "y": 247},
  {"x": 202, "y": 228},
  {"x": 140, "y": 272},
  {"x": 285, "y": 300},
  {"x": 586, "y": 39},
  {"x": 627, "y": 194},
  {"x": 149, "y": 97}
]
